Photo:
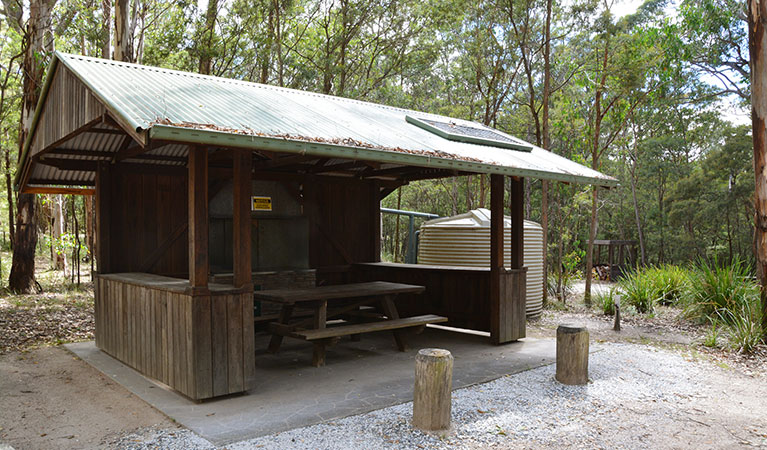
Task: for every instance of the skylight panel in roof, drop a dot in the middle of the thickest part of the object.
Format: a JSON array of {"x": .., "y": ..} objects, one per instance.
[{"x": 474, "y": 135}]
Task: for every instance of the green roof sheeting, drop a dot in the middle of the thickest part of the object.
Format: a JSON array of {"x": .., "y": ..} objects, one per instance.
[{"x": 189, "y": 107}]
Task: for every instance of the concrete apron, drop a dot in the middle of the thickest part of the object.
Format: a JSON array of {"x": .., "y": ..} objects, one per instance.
[{"x": 359, "y": 377}]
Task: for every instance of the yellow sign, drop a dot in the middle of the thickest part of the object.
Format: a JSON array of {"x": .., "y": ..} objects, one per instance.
[{"x": 261, "y": 203}]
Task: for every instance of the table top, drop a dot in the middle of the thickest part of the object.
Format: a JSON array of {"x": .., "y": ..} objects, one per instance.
[{"x": 354, "y": 290}]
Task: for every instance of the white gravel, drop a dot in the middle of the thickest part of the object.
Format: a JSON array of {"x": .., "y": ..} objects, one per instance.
[{"x": 634, "y": 392}]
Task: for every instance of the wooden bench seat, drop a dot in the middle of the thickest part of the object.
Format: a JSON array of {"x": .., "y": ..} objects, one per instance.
[{"x": 369, "y": 327}]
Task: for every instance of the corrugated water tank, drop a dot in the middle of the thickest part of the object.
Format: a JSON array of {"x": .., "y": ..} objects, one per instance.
[{"x": 464, "y": 240}]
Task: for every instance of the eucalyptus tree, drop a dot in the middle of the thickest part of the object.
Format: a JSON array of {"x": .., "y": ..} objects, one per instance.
[
  {"x": 620, "y": 63},
  {"x": 757, "y": 44},
  {"x": 38, "y": 44}
]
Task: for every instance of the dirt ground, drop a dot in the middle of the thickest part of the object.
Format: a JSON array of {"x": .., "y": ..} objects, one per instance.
[{"x": 51, "y": 399}]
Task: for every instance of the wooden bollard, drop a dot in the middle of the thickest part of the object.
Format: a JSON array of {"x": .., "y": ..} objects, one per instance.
[
  {"x": 572, "y": 354},
  {"x": 432, "y": 392}
]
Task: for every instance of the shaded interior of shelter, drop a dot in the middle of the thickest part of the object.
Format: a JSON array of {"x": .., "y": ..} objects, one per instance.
[{"x": 180, "y": 250}]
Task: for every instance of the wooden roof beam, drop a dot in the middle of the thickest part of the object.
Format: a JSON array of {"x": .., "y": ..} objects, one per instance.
[
  {"x": 283, "y": 161},
  {"x": 57, "y": 190}
]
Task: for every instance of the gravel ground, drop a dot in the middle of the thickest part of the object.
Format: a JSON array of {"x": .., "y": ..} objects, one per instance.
[{"x": 638, "y": 397}]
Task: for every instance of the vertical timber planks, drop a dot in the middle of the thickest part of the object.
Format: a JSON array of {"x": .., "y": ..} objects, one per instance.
[
  {"x": 219, "y": 346},
  {"x": 200, "y": 345},
  {"x": 497, "y": 311},
  {"x": 234, "y": 327}
]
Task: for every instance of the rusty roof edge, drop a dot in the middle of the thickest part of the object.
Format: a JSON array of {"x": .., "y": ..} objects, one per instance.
[{"x": 322, "y": 149}]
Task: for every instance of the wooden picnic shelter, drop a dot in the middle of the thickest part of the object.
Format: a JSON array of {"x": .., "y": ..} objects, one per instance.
[{"x": 209, "y": 189}]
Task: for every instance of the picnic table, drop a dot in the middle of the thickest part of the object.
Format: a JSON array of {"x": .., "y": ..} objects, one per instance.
[{"x": 349, "y": 302}]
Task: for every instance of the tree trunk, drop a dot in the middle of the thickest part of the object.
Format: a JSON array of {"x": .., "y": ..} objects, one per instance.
[
  {"x": 206, "y": 54},
  {"x": 598, "y": 115},
  {"x": 123, "y": 44},
  {"x": 638, "y": 217},
  {"x": 757, "y": 43},
  {"x": 22, "y": 278},
  {"x": 38, "y": 40},
  {"x": 9, "y": 194},
  {"x": 546, "y": 144},
  {"x": 59, "y": 257},
  {"x": 106, "y": 25},
  {"x": 89, "y": 226},
  {"x": 590, "y": 246}
]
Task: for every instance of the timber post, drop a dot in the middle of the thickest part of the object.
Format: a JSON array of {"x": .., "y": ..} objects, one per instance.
[
  {"x": 241, "y": 223},
  {"x": 497, "y": 303},
  {"x": 572, "y": 355},
  {"x": 432, "y": 391},
  {"x": 198, "y": 218}
]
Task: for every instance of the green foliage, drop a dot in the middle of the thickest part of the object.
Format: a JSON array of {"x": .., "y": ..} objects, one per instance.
[
  {"x": 744, "y": 325},
  {"x": 712, "y": 337},
  {"x": 605, "y": 301},
  {"x": 639, "y": 291},
  {"x": 652, "y": 285},
  {"x": 720, "y": 292}
]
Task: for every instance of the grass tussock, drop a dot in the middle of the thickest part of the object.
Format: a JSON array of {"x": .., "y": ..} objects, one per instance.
[{"x": 723, "y": 295}]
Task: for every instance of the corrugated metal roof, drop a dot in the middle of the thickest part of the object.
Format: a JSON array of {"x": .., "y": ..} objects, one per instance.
[{"x": 189, "y": 107}]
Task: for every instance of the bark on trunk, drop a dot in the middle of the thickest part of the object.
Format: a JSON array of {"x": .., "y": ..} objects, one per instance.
[
  {"x": 638, "y": 219},
  {"x": 757, "y": 40},
  {"x": 106, "y": 25},
  {"x": 38, "y": 40},
  {"x": 546, "y": 144},
  {"x": 22, "y": 278},
  {"x": 59, "y": 257},
  {"x": 206, "y": 54},
  {"x": 123, "y": 44},
  {"x": 9, "y": 195}
]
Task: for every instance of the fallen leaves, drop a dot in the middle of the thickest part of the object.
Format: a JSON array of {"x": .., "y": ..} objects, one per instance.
[
  {"x": 349, "y": 142},
  {"x": 51, "y": 319}
]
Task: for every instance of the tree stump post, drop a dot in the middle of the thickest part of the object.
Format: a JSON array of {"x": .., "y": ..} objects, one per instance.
[
  {"x": 572, "y": 355},
  {"x": 432, "y": 393},
  {"x": 617, "y": 322}
]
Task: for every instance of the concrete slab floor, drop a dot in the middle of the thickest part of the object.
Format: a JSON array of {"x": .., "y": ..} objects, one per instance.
[{"x": 358, "y": 377}]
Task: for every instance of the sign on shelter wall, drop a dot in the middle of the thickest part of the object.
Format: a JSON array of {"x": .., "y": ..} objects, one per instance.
[{"x": 261, "y": 203}]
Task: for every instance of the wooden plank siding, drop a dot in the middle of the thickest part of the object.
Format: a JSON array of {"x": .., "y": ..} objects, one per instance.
[
  {"x": 200, "y": 345},
  {"x": 460, "y": 294},
  {"x": 152, "y": 209},
  {"x": 69, "y": 106},
  {"x": 343, "y": 220}
]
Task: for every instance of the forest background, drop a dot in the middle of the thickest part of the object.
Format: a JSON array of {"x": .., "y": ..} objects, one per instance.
[{"x": 646, "y": 97}]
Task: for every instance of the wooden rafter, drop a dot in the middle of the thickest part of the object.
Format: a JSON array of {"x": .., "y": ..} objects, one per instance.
[
  {"x": 42, "y": 181},
  {"x": 283, "y": 161},
  {"x": 71, "y": 135},
  {"x": 57, "y": 190}
]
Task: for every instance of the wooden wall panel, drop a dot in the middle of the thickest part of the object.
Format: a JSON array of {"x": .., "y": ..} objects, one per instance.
[
  {"x": 200, "y": 345},
  {"x": 69, "y": 106},
  {"x": 461, "y": 295},
  {"x": 148, "y": 208},
  {"x": 341, "y": 216}
]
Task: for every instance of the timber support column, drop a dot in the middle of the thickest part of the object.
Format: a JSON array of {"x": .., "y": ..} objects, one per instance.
[
  {"x": 102, "y": 253},
  {"x": 103, "y": 216},
  {"x": 516, "y": 287},
  {"x": 497, "y": 303},
  {"x": 198, "y": 219},
  {"x": 241, "y": 224}
]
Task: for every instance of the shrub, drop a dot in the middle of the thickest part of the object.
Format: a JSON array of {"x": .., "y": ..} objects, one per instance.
[
  {"x": 670, "y": 283},
  {"x": 714, "y": 291},
  {"x": 639, "y": 291},
  {"x": 728, "y": 295},
  {"x": 744, "y": 325},
  {"x": 605, "y": 301},
  {"x": 651, "y": 285}
]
